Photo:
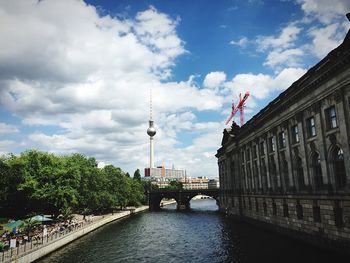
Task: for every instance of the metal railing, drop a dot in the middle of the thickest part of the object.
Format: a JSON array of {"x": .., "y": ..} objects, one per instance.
[{"x": 27, "y": 247}]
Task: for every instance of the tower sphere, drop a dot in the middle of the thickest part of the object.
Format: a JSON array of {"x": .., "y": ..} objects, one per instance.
[{"x": 151, "y": 131}]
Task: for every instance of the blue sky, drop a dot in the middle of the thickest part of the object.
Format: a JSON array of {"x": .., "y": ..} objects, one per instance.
[{"x": 75, "y": 75}]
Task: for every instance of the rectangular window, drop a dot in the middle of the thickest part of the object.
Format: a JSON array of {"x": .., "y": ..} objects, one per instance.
[
  {"x": 311, "y": 127},
  {"x": 242, "y": 156},
  {"x": 331, "y": 118},
  {"x": 254, "y": 152},
  {"x": 285, "y": 210},
  {"x": 299, "y": 209},
  {"x": 295, "y": 134},
  {"x": 249, "y": 177},
  {"x": 282, "y": 137},
  {"x": 248, "y": 155},
  {"x": 271, "y": 144},
  {"x": 316, "y": 213},
  {"x": 262, "y": 149},
  {"x": 274, "y": 208}
]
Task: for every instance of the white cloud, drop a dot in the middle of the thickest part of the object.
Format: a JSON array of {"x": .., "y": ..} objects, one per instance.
[
  {"x": 199, "y": 157},
  {"x": 7, "y": 128},
  {"x": 157, "y": 31},
  {"x": 89, "y": 76},
  {"x": 262, "y": 85},
  {"x": 288, "y": 57},
  {"x": 214, "y": 79},
  {"x": 324, "y": 10},
  {"x": 7, "y": 146},
  {"x": 280, "y": 51},
  {"x": 242, "y": 42},
  {"x": 327, "y": 38},
  {"x": 286, "y": 39}
]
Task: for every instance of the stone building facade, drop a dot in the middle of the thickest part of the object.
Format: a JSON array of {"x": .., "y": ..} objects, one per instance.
[{"x": 288, "y": 168}]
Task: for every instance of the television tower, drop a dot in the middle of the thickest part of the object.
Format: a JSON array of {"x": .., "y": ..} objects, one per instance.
[{"x": 151, "y": 131}]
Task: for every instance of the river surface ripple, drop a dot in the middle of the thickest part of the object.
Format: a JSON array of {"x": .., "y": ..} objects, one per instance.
[{"x": 199, "y": 235}]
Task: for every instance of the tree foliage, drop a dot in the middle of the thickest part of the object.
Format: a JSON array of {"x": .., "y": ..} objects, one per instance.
[
  {"x": 137, "y": 175},
  {"x": 39, "y": 182},
  {"x": 174, "y": 185}
]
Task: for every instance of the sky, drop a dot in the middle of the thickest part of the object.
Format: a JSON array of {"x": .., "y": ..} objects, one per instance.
[{"x": 75, "y": 76}]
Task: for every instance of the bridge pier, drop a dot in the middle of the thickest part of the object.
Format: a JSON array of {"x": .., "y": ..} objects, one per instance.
[
  {"x": 154, "y": 201},
  {"x": 153, "y": 206},
  {"x": 183, "y": 205}
]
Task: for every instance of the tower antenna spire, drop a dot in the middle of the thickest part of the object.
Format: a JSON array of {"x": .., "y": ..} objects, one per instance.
[{"x": 150, "y": 104}]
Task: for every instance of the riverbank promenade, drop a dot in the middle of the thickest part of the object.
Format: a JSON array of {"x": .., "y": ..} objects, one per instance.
[{"x": 33, "y": 250}]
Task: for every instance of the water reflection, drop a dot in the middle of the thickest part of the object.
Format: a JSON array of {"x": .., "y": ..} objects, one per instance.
[{"x": 200, "y": 235}]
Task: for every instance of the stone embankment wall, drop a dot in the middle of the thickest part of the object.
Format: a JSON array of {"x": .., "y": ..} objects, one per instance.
[{"x": 321, "y": 221}]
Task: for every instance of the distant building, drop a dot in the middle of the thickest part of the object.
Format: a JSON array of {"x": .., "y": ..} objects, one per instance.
[
  {"x": 195, "y": 183},
  {"x": 161, "y": 183},
  {"x": 162, "y": 172},
  {"x": 213, "y": 184}
]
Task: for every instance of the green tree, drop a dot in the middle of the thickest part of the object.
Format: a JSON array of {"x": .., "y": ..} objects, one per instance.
[
  {"x": 148, "y": 186},
  {"x": 175, "y": 185},
  {"x": 14, "y": 203},
  {"x": 51, "y": 181},
  {"x": 137, "y": 175},
  {"x": 137, "y": 194},
  {"x": 39, "y": 182},
  {"x": 118, "y": 185}
]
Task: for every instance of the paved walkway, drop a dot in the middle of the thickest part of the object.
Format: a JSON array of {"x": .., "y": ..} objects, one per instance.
[{"x": 30, "y": 251}]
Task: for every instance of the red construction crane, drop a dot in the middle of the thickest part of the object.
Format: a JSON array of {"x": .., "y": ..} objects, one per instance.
[{"x": 240, "y": 107}]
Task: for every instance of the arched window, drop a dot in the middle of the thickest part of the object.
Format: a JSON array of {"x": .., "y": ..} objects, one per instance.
[
  {"x": 317, "y": 170},
  {"x": 339, "y": 168},
  {"x": 299, "y": 172}
]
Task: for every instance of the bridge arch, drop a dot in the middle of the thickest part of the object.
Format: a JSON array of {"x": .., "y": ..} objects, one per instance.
[{"x": 182, "y": 197}]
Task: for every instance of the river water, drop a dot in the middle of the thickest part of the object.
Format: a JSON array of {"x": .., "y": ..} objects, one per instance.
[{"x": 199, "y": 235}]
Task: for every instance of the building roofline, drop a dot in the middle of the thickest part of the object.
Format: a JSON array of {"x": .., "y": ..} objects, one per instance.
[{"x": 337, "y": 59}]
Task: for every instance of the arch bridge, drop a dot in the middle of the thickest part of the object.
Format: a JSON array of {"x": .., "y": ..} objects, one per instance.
[{"x": 182, "y": 197}]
